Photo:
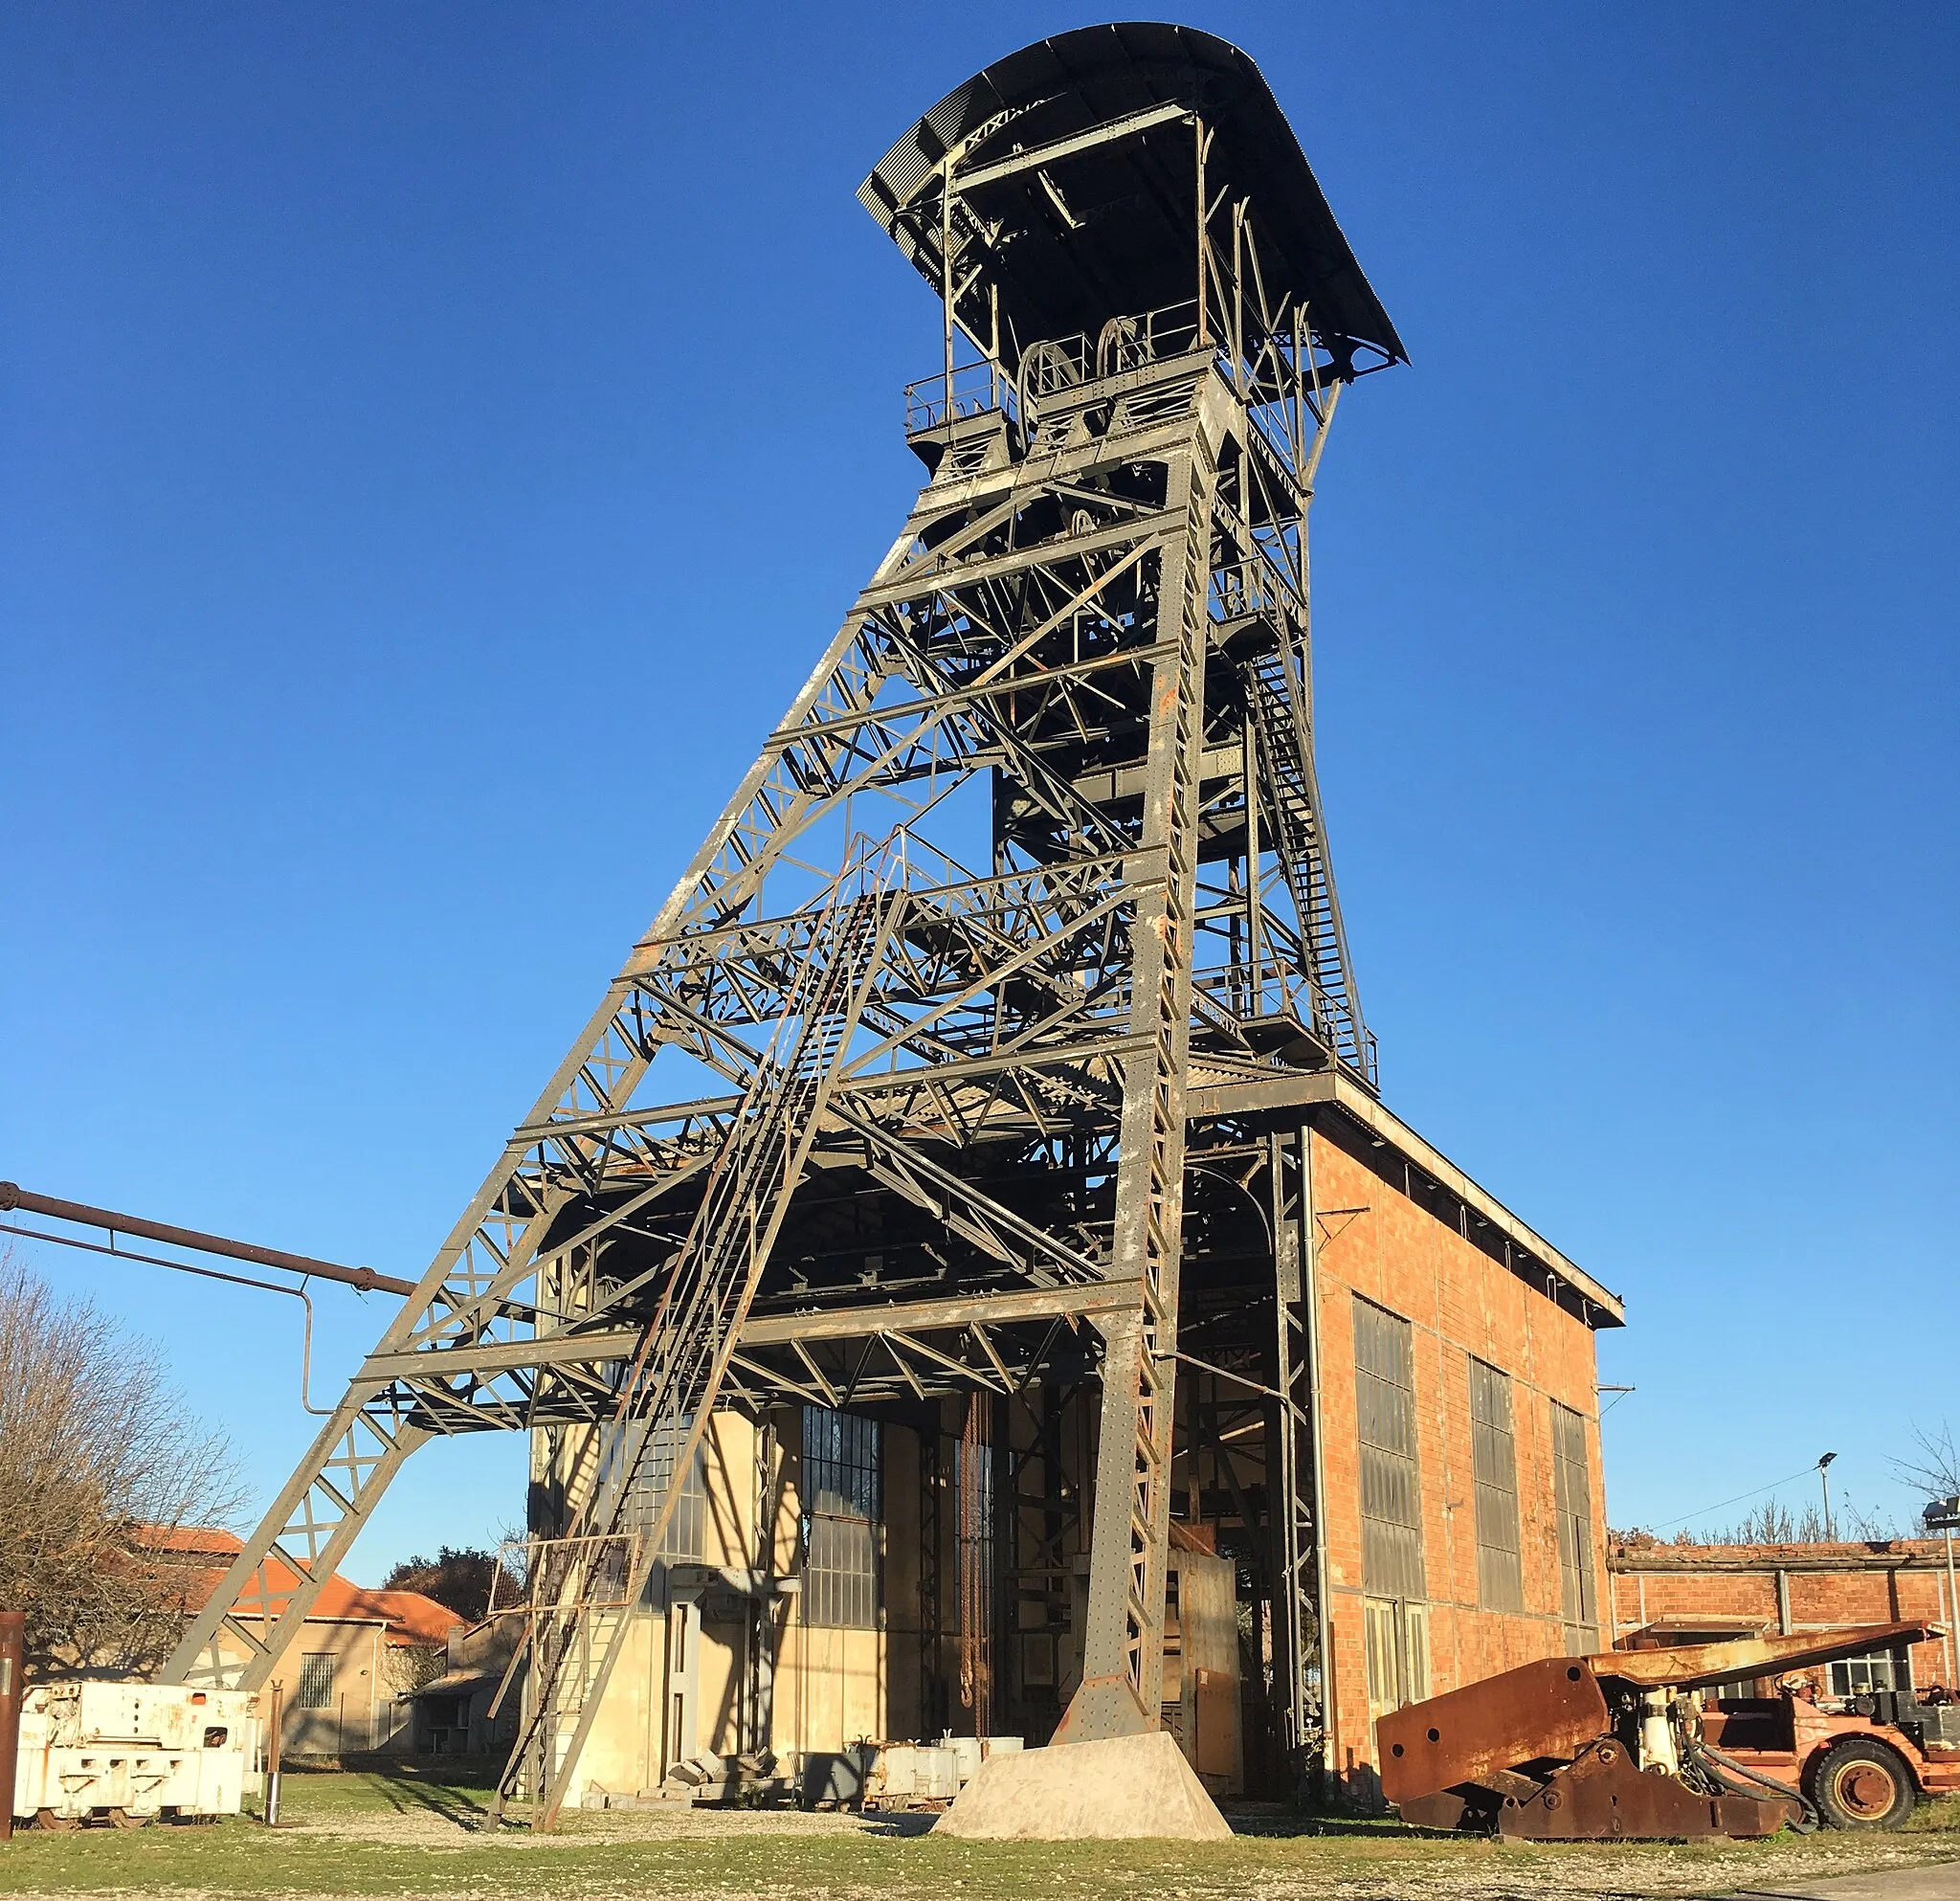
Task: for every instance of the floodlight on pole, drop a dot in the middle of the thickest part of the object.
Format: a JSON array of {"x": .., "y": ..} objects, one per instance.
[{"x": 1824, "y": 1479}]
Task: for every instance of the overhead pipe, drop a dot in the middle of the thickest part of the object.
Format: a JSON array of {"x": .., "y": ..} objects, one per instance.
[{"x": 12, "y": 1196}]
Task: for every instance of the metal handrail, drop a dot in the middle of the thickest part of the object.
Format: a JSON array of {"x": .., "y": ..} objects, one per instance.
[
  {"x": 1051, "y": 367},
  {"x": 977, "y": 387}
]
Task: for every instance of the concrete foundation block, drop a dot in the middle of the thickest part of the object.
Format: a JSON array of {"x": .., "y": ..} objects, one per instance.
[{"x": 1117, "y": 1789}]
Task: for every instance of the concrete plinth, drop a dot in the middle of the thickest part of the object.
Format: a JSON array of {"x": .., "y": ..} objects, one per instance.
[{"x": 1125, "y": 1788}]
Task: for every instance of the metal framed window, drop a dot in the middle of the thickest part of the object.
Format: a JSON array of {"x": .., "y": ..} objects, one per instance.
[
  {"x": 1494, "y": 1468},
  {"x": 1398, "y": 1640},
  {"x": 1853, "y": 1676},
  {"x": 843, "y": 1507},
  {"x": 316, "y": 1681},
  {"x": 1391, "y": 1485},
  {"x": 684, "y": 1537},
  {"x": 1572, "y": 1488}
]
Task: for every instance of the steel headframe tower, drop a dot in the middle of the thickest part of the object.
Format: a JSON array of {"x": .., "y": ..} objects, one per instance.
[{"x": 894, "y": 1095}]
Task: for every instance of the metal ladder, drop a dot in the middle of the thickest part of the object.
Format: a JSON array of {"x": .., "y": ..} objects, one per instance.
[
  {"x": 584, "y": 1599},
  {"x": 1284, "y": 751}
]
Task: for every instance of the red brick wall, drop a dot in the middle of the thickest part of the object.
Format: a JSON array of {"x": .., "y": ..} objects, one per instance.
[
  {"x": 1459, "y": 1302},
  {"x": 1829, "y": 1585}
]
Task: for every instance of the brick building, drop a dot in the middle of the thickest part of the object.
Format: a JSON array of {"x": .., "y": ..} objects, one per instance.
[
  {"x": 1498, "y": 1562},
  {"x": 1705, "y": 1592},
  {"x": 895, "y": 1568}
]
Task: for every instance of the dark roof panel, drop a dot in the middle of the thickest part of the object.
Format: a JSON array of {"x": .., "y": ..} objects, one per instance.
[{"x": 1112, "y": 233}]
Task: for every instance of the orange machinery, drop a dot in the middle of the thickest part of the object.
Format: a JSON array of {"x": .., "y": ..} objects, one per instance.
[{"x": 1619, "y": 1747}]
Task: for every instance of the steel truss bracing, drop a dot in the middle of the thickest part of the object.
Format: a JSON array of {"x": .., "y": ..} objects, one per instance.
[{"x": 890, "y": 1103}]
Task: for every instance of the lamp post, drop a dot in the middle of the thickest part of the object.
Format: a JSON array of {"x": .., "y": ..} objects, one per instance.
[
  {"x": 1824, "y": 1479},
  {"x": 1943, "y": 1515}
]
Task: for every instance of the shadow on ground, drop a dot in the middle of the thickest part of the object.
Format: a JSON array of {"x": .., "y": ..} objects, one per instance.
[{"x": 458, "y": 1791}]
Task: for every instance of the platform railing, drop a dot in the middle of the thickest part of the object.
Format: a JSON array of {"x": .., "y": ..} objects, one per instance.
[
  {"x": 975, "y": 389},
  {"x": 1051, "y": 368}
]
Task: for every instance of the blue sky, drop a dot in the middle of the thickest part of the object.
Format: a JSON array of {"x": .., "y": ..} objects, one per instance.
[{"x": 436, "y": 440}]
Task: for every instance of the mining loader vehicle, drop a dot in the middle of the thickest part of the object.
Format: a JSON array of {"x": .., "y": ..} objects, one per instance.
[{"x": 1628, "y": 1745}]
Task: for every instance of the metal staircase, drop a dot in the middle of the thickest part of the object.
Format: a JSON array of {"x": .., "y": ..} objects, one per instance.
[
  {"x": 589, "y": 1582},
  {"x": 1287, "y": 756}
]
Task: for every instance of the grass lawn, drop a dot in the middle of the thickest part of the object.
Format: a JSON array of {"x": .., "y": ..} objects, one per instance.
[{"x": 405, "y": 1833}]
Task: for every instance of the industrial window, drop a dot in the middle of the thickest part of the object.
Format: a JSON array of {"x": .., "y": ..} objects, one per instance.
[
  {"x": 316, "y": 1681},
  {"x": 683, "y": 1536},
  {"x": 1397, "y": 1639},
  {"x": 1385, "y": 1420},
  {"x": 1853, "y": 1676},
  {"x": 1572, "y": 1486},
  {"x": 842, "y": 1506},
  {"x": 1494, "y": 1467}
]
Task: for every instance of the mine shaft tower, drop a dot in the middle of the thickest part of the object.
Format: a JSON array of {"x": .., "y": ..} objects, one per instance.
[{"x": 948, "y": 1065}]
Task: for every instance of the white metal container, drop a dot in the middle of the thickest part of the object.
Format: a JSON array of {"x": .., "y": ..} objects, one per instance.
[
  {"x": 134, "y": 1750},
  {"x": 908, "y": 1775}
]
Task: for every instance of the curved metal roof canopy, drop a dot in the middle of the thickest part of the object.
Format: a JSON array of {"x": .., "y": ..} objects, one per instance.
[{"x": 1086, "y": 228}]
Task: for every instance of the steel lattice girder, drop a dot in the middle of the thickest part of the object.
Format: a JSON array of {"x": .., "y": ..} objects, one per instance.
[
  {"x": 944, "y": 1059},
  {"x": 946, "y": 1062}
]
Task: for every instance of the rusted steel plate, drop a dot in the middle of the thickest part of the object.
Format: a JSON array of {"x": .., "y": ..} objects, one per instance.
[{"x": 1552, "y": 1707}]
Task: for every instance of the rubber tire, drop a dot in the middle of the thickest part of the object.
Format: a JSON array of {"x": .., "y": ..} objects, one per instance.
[{"x": 1833, "y": 1763}]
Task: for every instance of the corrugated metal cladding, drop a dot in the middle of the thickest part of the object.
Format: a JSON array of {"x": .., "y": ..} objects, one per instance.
[
  {"x": 842, "y": 1506},
  {"x": 1391, "y": 1487},
  {"x": 1573, "y": 1483},
  {"x": 1494, "y": 1465}
]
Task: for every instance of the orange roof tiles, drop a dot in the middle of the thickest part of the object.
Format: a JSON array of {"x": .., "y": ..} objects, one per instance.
[{"x": 410, "y": 1618}]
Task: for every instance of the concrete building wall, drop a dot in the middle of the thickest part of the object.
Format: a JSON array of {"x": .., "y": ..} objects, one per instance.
[
  {"x": 707, "y": 1670},
  {"x": 832, "y": 1683},
  {"x": 677, "y": 1689},
  {"x": 367, "y": 1682}
]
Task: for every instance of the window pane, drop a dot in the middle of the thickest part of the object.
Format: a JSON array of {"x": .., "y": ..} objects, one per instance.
[
  {"x": 1854, "y": 1676},
  {"x": 1494, "y": 1464},
  {"x": 1573, "y": 1486},
  {"x": 651, "y": 1472},
  {"x": 316, "y": 1681},
  {"x": 1391, "y": 1487},
  {"x": 842, "y": 1506}
]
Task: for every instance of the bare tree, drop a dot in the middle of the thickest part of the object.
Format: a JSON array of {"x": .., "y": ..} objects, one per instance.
[
  {"x": 1934, "y": 1463},
  {"x": 101, "y": 1462},
  {"x": 1774, "y": 1523}
]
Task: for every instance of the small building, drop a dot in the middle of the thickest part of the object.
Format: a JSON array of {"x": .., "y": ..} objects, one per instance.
[
  {"x": 1707, "y": 1593},
  {"x": 472, "y": 1707},
  {"x": 345, "y": 1682}
]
